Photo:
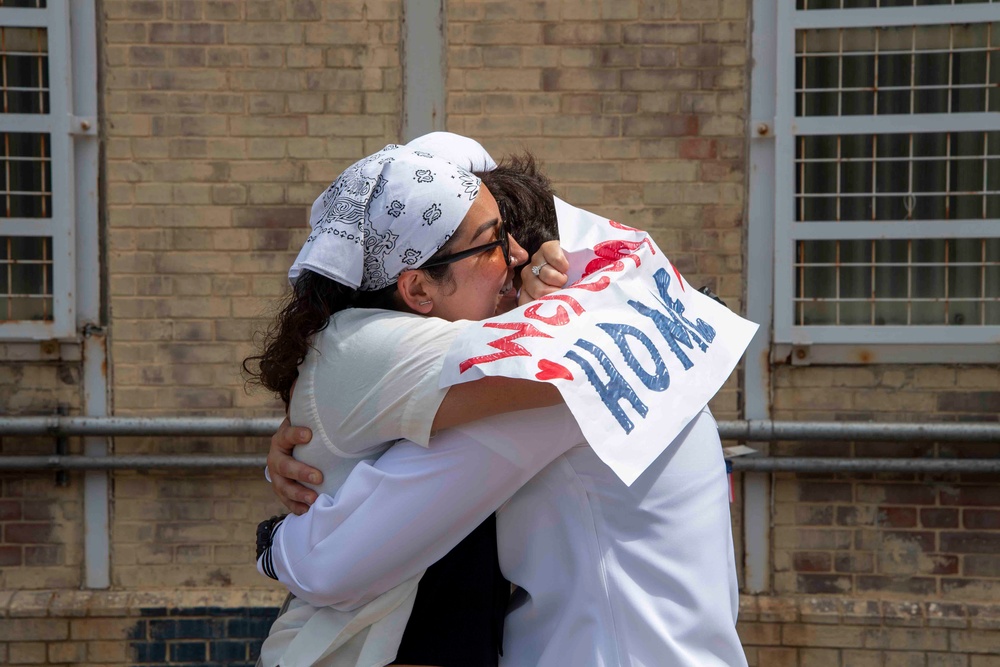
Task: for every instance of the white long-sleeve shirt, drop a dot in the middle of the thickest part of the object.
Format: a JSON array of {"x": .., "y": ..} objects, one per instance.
[{"x": 609, "y": 574}]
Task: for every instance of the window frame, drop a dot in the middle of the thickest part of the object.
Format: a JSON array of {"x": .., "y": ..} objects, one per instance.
[
  {"x": 842, "y": 342},
  {"x": 59, "y": 124}
]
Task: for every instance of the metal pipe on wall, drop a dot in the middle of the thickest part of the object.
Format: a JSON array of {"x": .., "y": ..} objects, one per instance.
[
  {"x": 742, "y": 464},
  {"x": 763, "y": 430}
]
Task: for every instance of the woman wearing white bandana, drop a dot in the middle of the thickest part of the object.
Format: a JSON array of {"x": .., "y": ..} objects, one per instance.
[
  {"x": 633, "y": 600},
  {"x": 385, "y": 215}
]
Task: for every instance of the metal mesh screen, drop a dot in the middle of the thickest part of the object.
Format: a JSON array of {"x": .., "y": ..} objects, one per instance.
[
  {"x": 898, "y": 282},
  {"x": 869, "y": 4},
  {"x": 25, "y": 278},
  {"x": 898, "y": 70},
  {"x": 919, "y": 176},
  {"x": 932, "y": 178},
  {"x": 26, "y": 289},
  {"x": 27, "y": 175},
  {"x": 24, "y": 72}
]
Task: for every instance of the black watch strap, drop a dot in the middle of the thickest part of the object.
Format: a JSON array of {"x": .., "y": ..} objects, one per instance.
[{"x": 265, "y": 536}]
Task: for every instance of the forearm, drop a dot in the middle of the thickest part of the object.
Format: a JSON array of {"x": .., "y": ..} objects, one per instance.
[
  {"x": 490, "y": 396},
  {"x": 394, "y": 518}
]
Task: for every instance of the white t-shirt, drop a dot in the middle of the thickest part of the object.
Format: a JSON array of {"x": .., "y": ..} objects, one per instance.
[
  {"x": 361, "y": 387},
  {"x": 611, "y": 574},
  {"x": 358, "y": 390}
]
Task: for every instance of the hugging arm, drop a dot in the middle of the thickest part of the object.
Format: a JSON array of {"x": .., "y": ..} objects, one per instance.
[
  {"x": 463, "y": 404},
  {"x": 395, "y": 517}
]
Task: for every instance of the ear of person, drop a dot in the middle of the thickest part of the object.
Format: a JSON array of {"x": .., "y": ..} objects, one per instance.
[{"x": 414, "y": 289}]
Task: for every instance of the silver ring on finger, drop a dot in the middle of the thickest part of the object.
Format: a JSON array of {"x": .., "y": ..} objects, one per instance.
[{"x": 535, "y": 270}]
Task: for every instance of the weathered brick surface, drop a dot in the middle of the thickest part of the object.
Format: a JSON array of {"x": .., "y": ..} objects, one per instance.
[
  {"x": 226, "y": 627},
  {"x": 40, "y": 523},
  {"x": 912, "y": 534},
  {"x": 224, "y": 121},
  {"x": 193, "y": 627}
]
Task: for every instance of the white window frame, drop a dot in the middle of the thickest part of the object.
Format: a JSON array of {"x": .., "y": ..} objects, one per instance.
[
  {"x": 59, "y": 125},
  {"x": 859, "y": 344}
]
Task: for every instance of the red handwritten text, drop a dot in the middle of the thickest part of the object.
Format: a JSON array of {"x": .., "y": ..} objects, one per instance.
[
  {"x": 506, "y": 345},
  {"x": 611, "y": 253}
]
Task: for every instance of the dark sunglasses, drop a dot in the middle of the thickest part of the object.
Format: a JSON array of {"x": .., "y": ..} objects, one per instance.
[{"x": 503, "y": 242}]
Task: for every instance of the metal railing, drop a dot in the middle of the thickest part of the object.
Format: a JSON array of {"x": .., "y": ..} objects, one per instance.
[{"x": 744, "y": 430}]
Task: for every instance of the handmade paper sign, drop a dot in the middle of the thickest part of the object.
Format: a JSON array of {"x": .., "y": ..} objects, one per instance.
[{"x": 635, "y": 351}]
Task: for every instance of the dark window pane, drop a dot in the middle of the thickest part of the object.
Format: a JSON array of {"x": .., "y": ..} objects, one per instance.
[
  {"x": 24, "y": 61},
  {"x": 857, "y": 103},
  {"x": 853, "y": 252},
  {"x": 820, "y": 147},
  {"x": 933, "y": 145},
  {"x": 25, "y": 247},
  {"x": 820, "y": 177},
  {"x": 819, "y": 282},
  {"x": 855, "y": 282},
  {"x": 820, "y": 104},
  {"x": 927, "y": 251},
  {"x": 856, "y": 208},
  {"x": 855, "y": 313},
  {"x": 934, "y": 207},
  {"x": 856, "y": 177}
]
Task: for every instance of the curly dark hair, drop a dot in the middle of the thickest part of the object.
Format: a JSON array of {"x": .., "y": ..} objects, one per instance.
[
  {"x": 524, "y": 196},
  {"x": 306, "y": 311}
]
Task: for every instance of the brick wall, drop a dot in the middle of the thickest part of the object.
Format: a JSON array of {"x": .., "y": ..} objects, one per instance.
[
  {"x": 636, "y": 110},
  {"x": 867, "y": 632},
  {"x": 223, "y": 122},
  {"x": 42, "y": 528},
  {"x": 916, "y": 536},
  {"x": 198, "y": 627},
  {"x": 212, "y": 627},
  {"x": 40, "y": 514}
]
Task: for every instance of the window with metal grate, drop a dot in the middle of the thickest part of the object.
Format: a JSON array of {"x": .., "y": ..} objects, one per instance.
[
  {"x": 887, "y": 169},
  {"x": 37, "y": 217}
]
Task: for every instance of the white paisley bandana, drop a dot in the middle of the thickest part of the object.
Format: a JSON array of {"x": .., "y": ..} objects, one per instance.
[
  {"x": 463, "y": 151},
  {"x": 386, "y": 213}
]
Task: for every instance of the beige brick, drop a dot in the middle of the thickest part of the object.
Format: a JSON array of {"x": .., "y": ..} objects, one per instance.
[
  {"x": 108, "y": 652},
  {"x": 269, "y": 127},
  {"x": 725, "y": 31},
  {"x": 101, "y": 628},
  {"x": 733, "y": 9},
  {"x": 67, "y": 652},
  {"x": 266, "y": 104},
  {"x": 973, "y": 377},
  {"x": 817, "y": 657},
  {"x": 28, "y": 653},
  {"x": 34, "y": 630},
  {"x": 863, "y": 658},
  {"x": 347, "y": 33},
  {"x": 777, "y": 657},
  {"x": 972, "y": 641},
  {"x": 916, "y": 639}
]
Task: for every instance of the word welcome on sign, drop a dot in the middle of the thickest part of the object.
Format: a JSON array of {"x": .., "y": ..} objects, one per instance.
[{"x": 635, "y": 352}]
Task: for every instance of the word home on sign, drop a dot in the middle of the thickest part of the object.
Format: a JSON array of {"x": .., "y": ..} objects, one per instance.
[{"x": 634, "y": 351}]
